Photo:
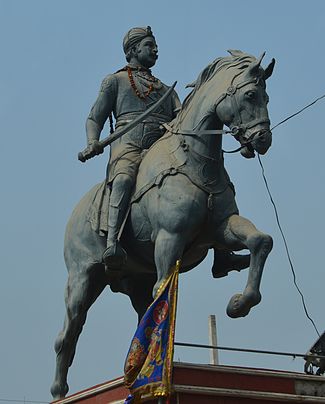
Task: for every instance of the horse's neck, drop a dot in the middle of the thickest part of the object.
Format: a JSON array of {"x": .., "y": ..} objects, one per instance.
[{"x": 197, "y": 119}]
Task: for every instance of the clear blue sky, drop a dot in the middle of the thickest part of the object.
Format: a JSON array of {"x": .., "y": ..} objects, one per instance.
[{"x": 54, "y": 55}]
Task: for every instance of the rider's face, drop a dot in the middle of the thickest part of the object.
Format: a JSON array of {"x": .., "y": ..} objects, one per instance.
[{"x": 147, "y": 52}]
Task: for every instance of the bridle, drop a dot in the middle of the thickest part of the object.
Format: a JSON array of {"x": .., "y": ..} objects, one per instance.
[{"x": 237, "y": 129}]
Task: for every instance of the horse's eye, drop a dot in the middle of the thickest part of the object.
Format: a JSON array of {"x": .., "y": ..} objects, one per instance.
[{"x": 250, "y": 95}]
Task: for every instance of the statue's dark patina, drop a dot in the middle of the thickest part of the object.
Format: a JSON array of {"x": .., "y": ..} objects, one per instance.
[{"x": 183, "y": 202}]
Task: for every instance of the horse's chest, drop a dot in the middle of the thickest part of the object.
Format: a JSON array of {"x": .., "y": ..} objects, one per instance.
[{"x": 206, "y": 172}]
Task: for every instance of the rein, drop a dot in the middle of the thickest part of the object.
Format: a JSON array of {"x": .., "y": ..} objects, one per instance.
[{"x": 199, "y": 132}]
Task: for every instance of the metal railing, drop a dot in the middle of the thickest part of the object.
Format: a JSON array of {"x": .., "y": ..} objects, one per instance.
[{"x": 257, "y": 351}]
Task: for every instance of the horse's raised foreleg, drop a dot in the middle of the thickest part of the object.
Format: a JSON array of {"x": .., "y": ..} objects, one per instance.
[
  {"x": 239, "y": 233},
  {"x": 81, "y": 291}
]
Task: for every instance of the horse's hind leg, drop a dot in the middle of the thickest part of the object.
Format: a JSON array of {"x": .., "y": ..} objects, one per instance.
[
  {"x": 82, "y": 290},
  {"x": 238, "y": 233}
]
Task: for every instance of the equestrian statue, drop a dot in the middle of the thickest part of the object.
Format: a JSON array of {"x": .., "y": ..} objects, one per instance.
[{"x": 166, "y": 195}]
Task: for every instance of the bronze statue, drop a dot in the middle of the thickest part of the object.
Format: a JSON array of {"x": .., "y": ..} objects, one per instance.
[{"x": 183, "y": 202}]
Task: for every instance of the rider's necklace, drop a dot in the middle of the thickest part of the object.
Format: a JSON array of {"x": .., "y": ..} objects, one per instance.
[{"x": 142, "y": 96}]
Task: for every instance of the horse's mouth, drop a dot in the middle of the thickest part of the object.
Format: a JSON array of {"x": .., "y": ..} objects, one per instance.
[
  {"x": 262, "y": 140},
  {"x": 247, "y": 151}
]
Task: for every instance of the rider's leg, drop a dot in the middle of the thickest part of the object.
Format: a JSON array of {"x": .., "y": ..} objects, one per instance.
[{"x": 122, "y": 185}]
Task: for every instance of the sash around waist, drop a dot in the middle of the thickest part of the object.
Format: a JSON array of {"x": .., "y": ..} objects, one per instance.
[{"x": 152, "y": 118}]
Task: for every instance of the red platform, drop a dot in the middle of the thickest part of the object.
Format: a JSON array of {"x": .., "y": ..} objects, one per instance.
[{"x": 207, "y": 384}]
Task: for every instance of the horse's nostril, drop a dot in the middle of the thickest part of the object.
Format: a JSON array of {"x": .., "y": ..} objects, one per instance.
[{"x": 262, "y": 136}]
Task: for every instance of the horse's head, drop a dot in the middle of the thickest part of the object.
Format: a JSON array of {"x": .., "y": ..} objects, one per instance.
[{"x": 243, "y": 106}]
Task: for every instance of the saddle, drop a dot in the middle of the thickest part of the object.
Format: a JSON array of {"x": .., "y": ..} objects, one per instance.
[
  {"x": 98, "y": 209},
  {"x": 169, "y": 155}
]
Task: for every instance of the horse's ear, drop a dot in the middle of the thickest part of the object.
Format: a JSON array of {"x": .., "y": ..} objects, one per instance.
[
  {"x": 269, "y": 70},
  {"x": 255, "y": 66}
]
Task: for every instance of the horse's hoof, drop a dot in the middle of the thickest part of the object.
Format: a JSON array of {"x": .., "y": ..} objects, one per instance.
[
  {"x": 240, "y": 305},
  {"x": 59, "y": 391}
]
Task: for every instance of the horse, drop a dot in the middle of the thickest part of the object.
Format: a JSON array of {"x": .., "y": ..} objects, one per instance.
[{"x": 183, "y": 204}]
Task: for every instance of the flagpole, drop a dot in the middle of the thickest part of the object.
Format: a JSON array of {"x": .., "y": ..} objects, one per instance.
[{"x": 164, "y": 400}]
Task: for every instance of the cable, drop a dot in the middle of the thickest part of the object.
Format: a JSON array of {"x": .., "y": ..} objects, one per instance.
[
  {"x": 286, "y": 247},
  {"x": 298, "y": 112},
  {"x": 257, "y": 351}
]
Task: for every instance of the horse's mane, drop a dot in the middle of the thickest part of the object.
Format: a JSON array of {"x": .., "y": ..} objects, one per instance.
[{"x": 238, "y": 59}]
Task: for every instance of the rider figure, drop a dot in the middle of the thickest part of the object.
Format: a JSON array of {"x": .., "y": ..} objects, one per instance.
[{"x": 126, "y": 94}]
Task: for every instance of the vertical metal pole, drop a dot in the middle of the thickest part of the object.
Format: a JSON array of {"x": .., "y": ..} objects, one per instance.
[{"x": 214, "y": 359}]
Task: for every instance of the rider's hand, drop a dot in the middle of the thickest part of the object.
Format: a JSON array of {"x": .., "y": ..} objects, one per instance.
[{"x": 95, "y": 147}]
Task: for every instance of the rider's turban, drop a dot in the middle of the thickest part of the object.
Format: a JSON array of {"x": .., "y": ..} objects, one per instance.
[{"x": 134, "y": 36}]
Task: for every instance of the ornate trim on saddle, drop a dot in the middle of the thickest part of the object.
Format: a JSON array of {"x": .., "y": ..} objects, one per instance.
[{"x": 171, "y": 155}]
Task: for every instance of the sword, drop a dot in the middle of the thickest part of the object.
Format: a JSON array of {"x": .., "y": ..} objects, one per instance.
[{"x": 87, "y": 154}]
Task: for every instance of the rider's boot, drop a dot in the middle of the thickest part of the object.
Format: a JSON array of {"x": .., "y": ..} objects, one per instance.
[
  {"x": 114, "y": 255},
  {"x": 226, "y": 261}
]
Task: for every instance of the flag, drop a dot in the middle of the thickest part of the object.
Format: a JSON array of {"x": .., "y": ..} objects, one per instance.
[{"x": 149, "y": 362}]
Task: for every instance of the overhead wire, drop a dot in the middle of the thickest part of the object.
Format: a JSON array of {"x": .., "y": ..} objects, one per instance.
[
  {"x": 286, "y": 247},
  {"x": 277, "y": 214},
  {"x": 298, "y": 112}
]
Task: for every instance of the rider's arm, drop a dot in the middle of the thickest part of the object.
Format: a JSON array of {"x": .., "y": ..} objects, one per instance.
[{"x": 101, "y": 109}]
